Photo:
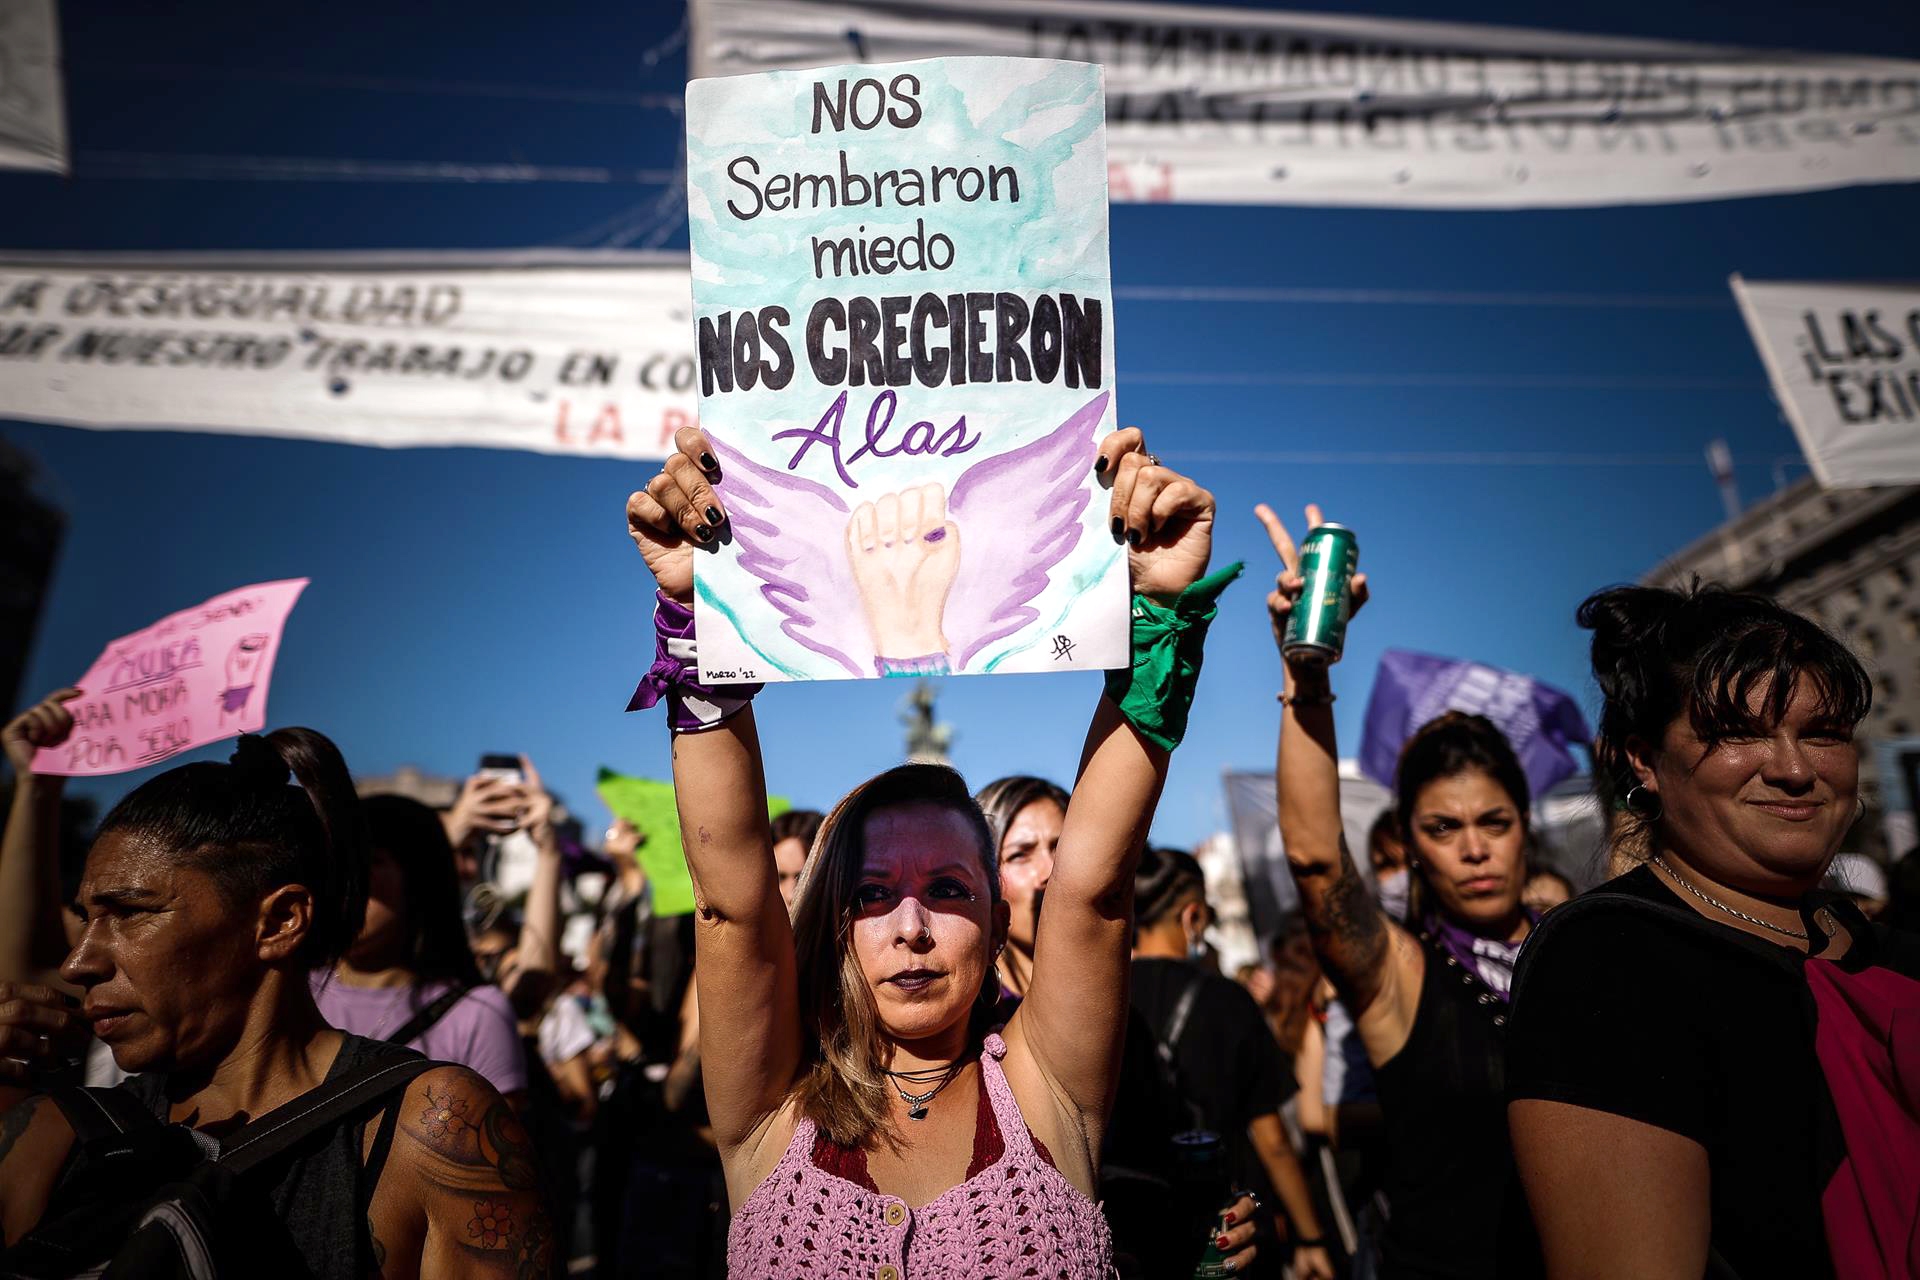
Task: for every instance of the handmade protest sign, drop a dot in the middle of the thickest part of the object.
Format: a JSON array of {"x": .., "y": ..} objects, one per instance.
[
  {"x": 904, "y": 339},
  {"x": 649, "y": 805},
  {"x": 193, "y": 677}
]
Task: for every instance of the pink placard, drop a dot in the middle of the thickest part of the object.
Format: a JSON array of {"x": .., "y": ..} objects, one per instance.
[{"x": 193, "y": 677}]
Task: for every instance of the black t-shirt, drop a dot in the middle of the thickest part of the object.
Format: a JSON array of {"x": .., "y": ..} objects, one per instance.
[
  {"x": 1228, "y": 1066},
  {"x": 1629, "y": 1002}
]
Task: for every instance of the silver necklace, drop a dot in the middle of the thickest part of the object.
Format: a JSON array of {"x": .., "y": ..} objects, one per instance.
[
  {"x": 917, "y": 1102},
  {"x": 1686, "y": 884}
]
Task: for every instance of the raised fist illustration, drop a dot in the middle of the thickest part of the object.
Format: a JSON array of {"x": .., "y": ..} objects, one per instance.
[{"x": 904, "y": 553}]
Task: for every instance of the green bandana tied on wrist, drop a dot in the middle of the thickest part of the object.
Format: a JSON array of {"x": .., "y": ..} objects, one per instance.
[{"x": 1155, "y": 694}]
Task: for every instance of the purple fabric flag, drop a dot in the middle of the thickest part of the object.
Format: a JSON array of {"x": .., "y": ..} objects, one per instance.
[{"x": 1541, "y": 722}]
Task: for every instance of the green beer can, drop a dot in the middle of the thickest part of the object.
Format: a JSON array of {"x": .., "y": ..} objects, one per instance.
[{"x": 1317, "y": 627}]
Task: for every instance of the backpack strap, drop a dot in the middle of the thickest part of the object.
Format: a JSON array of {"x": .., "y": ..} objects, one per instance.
[
  {"x": 102, "y": 1113},
  {"x": 314, "y": 1110},
  {"x": 1167, "y": 1045},
  {"x": 420, "y": 1023}
]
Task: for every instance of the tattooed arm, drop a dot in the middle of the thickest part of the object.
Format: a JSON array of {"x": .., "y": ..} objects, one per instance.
[
  {"x": 462, "y": 1191},
  {"x": 1375, "y": 965}
]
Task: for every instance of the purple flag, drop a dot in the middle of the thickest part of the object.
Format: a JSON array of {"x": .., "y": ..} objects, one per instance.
[{"x": 1541, "y": 722}]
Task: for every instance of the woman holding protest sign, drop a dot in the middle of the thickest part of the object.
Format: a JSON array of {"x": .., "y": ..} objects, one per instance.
[
  {"x": 1429, "y": 998},
  {"x": 871, "y": 1120}
]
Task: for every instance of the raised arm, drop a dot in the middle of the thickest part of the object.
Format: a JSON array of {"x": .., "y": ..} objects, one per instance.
[
  {"x": 539, "y": 944},
  {"x": 32, "y": 940},
  {"x": 1360, "y": 950},
  {"x": 744, "y": 969},
  {"x": 1073, "y": 1019}
]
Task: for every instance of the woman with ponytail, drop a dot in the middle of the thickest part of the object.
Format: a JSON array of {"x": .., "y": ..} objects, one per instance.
[
  {"x": 210, "y": 892},
  {"x": 1709, "y": 1062},
  {"x": 1429, "y": 998}
]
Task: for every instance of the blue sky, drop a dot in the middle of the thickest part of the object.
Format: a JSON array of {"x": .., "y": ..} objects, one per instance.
[{"x": 466, "y": 601}]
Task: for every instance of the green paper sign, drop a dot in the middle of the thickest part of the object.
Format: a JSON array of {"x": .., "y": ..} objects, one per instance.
[{"x": 648, "y": 804}]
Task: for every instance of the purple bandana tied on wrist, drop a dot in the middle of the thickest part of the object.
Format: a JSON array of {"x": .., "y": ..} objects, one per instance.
[{"x": 691, "y": 706}]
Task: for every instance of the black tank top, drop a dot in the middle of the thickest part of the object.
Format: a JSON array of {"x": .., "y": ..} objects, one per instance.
[
  {"x": 319, "y": 1191},
  {"x": 1450, "y": 1177}
]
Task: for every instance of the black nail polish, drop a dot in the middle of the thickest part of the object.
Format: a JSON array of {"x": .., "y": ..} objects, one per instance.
[
  {"x": 713, "y": 515},
  {"x": 1133, "y": 537},
  {"x": 709, "y": 462},
  {"x": 703, "y": 533},
  {"x": 1100, "y": 465},
  {"x": 1119, "y": 527}
]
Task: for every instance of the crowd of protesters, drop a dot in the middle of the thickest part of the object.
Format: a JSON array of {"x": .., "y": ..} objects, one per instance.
[{"x": 257, "y": 1024}]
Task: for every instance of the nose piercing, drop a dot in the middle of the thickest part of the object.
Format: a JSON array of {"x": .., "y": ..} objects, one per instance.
[{"x": 926, "y": 934}]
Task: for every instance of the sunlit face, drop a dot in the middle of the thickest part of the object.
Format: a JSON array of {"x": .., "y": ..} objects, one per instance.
[
  {"x": 926, "y": 927},
  {"x": 621, "y": 841},
  {"x": 1386, "y": 853},
  {"x": 1471, "y": 844},
  {"x": 789, "y": 860},
  {"x": 1026, "y": 864},
  {"x": 1764, "y": 814},
  {"x": 170, "y": 967},
  {"x": 1544, "y": 893},
  {"x": 383, "y": 934},
  {"x": 495, "y": 953}
]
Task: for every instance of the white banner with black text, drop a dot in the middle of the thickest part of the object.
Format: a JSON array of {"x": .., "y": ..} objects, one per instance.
[
  {"x": 582, "y": 353},
  {"x": 1241, "y": 106}
]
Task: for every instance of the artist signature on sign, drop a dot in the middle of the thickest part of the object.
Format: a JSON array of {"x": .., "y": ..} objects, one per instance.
[{"x": 1062, "y": 649}]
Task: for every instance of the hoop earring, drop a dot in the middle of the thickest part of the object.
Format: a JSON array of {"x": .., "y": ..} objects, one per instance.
[{"x": 1643, "y": 804}]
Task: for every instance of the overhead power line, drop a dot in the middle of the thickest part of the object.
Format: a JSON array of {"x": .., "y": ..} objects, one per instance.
[
  {"x": 390, "y": 84},
  {"x": 1455, "y": 458},
  {"x": 672, "y": 42},
  {"x": 215, "y": 168},
  {"x": 1424, "y": 297},
  {"x": 1505, "y": 381}
]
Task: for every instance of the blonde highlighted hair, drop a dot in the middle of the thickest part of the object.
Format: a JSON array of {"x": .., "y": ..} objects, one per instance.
[{"x": 841, "y": 1087}]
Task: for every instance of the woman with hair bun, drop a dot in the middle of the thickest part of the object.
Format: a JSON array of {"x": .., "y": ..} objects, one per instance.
[
  {"x": 1429, "y": 998},
  {"x": 209, "y": 894},
  {"x": 1710, "y": 1062}
]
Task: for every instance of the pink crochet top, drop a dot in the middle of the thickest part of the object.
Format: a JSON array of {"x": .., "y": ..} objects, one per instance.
[{"x": 1017, "y": 1217}]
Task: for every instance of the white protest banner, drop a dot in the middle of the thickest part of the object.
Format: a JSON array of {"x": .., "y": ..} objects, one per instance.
[
  {"x": 33, "y": 113},
  {"x": 1242, "y": 106},
  {"x": 193, "y": 677},
  {"x": 571, "y": 353},
  {"x": 905, "y": 346},
  {"x": 1844, "y": 360}
]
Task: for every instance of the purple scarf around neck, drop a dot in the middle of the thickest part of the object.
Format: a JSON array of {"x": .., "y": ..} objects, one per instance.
[{"x": 1487, "y": 958}]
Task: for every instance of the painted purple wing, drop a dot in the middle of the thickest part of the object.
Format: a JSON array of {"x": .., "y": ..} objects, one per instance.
[
  {"x": 1019, "y": 515},
  {"x": 792, "y": 536}
]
